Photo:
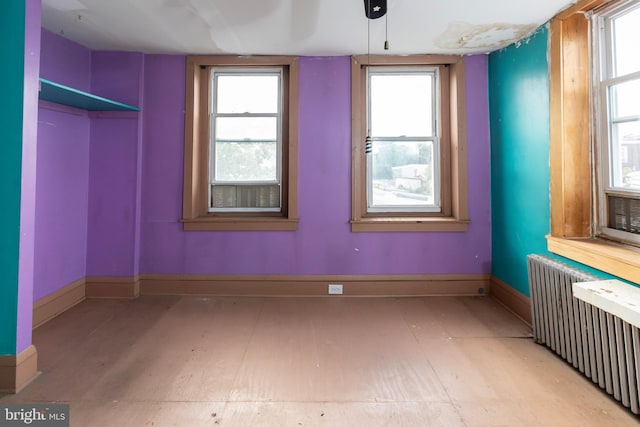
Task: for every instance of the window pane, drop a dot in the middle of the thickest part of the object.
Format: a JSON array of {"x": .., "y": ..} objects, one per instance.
[
  {"x": 626, "y": 33},
  {"x": 245, "y": 161},
  {"x": 402, "y": 173},
  {"x": 401, "y": 105},
  {"x": 625, "y": 155},
  {"x": 247, "y": 94},
  {"x": 624, "y": 99},
  {"x": 246, "y": 128}
]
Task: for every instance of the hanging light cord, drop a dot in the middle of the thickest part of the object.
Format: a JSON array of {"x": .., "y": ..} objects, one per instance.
[
  {"x": 368, "y": 31},
  {"x": 386, "y": 30},
  {"x": 368, "y": 146}
]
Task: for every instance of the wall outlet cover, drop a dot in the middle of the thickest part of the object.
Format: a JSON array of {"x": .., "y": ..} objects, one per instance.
[{"x": 335, "y": 289}]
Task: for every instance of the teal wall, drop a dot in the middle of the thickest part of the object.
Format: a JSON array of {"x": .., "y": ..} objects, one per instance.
[
  {"x": 519, "y": 117},
  {"x": 12, "y": 32}
]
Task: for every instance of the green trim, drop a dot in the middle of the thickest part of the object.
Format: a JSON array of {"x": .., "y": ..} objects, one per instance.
[{"x": 12, "y": 36}]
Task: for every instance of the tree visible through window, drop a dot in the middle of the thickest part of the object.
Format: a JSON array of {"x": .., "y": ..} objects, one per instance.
[{"x": 245, "y": 139}]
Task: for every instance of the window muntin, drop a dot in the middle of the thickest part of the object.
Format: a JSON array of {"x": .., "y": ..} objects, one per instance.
[
  {"x": 197, "y": 190},
  {"x": 451, "y": 127},
  {"x": 246, "y": 140},
  {"x": 617, "y": 112},
  {"x": 402, "y": 170}
]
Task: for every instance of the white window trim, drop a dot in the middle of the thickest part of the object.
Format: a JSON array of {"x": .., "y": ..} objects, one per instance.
[
  {"x": 212, "y": 138},
  {"x": 602, "y": 83},
  {"x": 435, "y": 139}
]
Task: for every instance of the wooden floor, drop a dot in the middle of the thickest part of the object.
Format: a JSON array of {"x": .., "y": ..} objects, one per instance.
[{"x": 190, "y": 361}]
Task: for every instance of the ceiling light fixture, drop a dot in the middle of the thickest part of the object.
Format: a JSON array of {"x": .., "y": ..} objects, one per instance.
[{"x": 375, "y": 9}]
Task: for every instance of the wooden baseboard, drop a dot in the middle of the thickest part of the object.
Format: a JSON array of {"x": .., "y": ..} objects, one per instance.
[
  {"x": 518, "y": 303},
  {"x": 16, "y": 372},
  {"x": 309, "y": 285},
  {"x": 58, "y": 302},
  {"x": 112, "y": 287}
]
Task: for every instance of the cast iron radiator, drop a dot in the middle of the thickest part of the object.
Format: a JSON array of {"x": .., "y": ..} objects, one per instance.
[{"x": 599, "y": 344}]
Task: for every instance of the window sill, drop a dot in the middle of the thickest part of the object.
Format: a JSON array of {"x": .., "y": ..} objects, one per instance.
[
  {"x": 240, "y": 224},
  {"x": 619, "y": 260},
  {"x": 408, "y": 224}
]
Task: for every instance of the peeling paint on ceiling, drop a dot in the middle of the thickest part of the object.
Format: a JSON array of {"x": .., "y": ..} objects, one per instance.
[
  {"x": 489, "y": 37},
  {"x": 295, "y": 27}
]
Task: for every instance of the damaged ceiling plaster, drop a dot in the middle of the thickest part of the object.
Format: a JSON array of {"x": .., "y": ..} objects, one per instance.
[
  {"x": 489, "y": 37},
  {"x": 295, "y": 27}
]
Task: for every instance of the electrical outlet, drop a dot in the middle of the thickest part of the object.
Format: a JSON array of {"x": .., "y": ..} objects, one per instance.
[{"x": 335, "y": 289}]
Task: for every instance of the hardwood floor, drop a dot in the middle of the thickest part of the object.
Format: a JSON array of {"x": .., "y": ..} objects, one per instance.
[{"x": 195, "y": 361}]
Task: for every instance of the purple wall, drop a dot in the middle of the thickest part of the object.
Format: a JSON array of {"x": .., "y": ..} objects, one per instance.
[
  {"x": 63, "y": 171},
  {"x": 323, "y": 243},
  {"x": 112, "y": 194},
  {"x": 124, "y": 197},
  {"x": 115, "y": 167},
  {"x": 62, "y": 194},
  {"x": 162, "y": 156},
  {"x": 117, "y": 75},
  {"x": 89, "y": 167},
  {"x": 65, "y": 62}
]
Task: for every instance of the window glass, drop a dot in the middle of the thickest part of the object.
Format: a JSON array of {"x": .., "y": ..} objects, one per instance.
[
  {"x": 246, "y": 161},
  {"x": 245, "y": 140},
  {"x": 617, "y": 104},
  {"x": 402, "y": 173},
  {"x": 625, "y": 155},
  {"x": 246, "y": 128},
  {"x": 402, "y": 168},
  {"x": 626, "y": 33},
  {"x": 401, "y": 105},
  {"x": 247, "y": 94}
]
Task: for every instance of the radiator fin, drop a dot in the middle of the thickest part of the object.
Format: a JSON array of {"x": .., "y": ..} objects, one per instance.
[{"x": 599, "y": 344}]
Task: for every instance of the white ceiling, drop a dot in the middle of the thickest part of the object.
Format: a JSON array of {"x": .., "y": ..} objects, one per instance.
[{"x": 295, "y": 27}]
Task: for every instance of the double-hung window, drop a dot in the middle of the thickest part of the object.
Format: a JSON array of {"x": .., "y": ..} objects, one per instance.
[
  {"x": 246, "y": 140},
  {"x": 403, "y": 168},
  {"x": 241, "y": 143},
  {"x": 408, "y": 144},
  {"x": 616, "y": 31}
]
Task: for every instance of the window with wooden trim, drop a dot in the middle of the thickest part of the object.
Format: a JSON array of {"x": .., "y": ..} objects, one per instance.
[
  {"x": 241, "y": 143},
  {"x": 408, "y": 139},
  {"x": 574, "y": 206}
]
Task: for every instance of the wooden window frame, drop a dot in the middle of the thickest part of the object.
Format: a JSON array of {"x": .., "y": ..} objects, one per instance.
[
  {"x": 195, "y": 212},
  {"x": 453, "y": 159},
  {"x": 571, "y": 156}
]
